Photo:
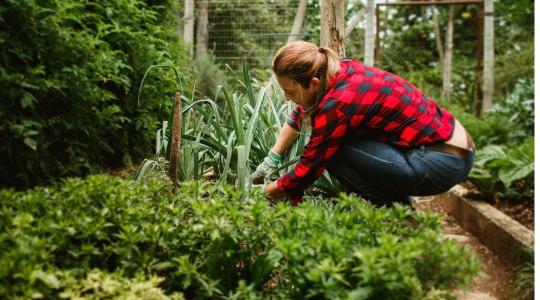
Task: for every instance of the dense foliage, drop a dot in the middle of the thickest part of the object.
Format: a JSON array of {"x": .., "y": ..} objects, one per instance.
[
  {"x": 408, "y": 47},
  {"x": 69, "y": 76},
  {"x": 108, "y": 237},
  {"x": 504, "y": 164}
]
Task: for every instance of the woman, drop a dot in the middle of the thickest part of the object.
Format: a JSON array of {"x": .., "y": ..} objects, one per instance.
[{"x": 376, "y": 133}]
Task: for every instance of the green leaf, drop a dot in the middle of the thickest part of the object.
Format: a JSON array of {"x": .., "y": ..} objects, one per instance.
[
  {"x": 49, "y": 279},
  {"x": 30, "y": 143},
  {"x": 27, "y": 100}
]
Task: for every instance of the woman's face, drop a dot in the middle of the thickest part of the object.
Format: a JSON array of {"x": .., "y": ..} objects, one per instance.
[{"x": 295, "y": 92}]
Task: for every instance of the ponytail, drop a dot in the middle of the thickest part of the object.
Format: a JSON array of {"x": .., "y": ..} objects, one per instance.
[{"x": 301, "y": 61}]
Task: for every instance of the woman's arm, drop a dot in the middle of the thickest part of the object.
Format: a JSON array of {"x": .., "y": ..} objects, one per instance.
[{"x": 285, "y": 139}]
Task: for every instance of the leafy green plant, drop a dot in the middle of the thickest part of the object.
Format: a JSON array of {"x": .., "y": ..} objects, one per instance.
[
  {"x": 518, "y": 107},
  {"x": 109, "y": 237},
  {"x": 513, "y": 167},
  {"x": 523, "y": 285}
]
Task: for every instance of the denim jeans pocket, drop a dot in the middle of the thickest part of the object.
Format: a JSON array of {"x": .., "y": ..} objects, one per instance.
[
  {"x": 429, "y": 186},
  {"x": 439, "y": 172}
]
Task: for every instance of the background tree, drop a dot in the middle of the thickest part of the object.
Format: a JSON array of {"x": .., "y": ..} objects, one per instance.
[
  {"x": 189, "y": 21},
  {"x": 369, "y": 46},
  {"x": 447, "y": 58},
  {"x": 298, "y": 21},
  {"x": 333, "y": 25},
  {"x": 202, "y": 28}
]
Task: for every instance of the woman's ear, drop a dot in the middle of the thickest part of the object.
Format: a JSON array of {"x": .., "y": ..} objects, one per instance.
[{"x": 315, "y": 82}]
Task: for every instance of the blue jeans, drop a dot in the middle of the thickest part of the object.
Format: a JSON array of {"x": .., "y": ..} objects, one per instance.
[{"x": 382, "y": 173}]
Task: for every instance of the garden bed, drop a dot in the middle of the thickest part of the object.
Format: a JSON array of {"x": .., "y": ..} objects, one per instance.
[{"x": 521, "y": 210}]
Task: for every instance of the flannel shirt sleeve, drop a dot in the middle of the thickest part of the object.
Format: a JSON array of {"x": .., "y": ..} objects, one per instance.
[
  {"x": 295, "y": 117},
  {"x": 328, "y": 129}
]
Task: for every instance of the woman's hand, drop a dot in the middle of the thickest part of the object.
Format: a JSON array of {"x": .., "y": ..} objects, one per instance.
[{"x": 272, "y": 190}]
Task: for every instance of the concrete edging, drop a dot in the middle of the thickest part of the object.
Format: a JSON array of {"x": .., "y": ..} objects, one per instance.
[{"x": 511, "y": 241}]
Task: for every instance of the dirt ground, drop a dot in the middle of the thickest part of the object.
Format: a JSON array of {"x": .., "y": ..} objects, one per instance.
[{"x": 495, "y": 280}]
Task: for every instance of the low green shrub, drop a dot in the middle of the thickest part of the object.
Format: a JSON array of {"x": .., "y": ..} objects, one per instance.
[
  {"x": 490, "y": 128},
  {"x": 108, "y": 237},
  {"x": 518, "y": 107},
  {"x": 523, "y": 285}
]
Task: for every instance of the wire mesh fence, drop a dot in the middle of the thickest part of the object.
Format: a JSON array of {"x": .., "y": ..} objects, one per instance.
[{"x": 250, "y": 30}]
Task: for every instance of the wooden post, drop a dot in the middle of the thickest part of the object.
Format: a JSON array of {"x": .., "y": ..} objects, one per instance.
[
  {"x": 479, "y": 58},
  {"x": 333, "y": 25},
  {"x": 176, "y": 139},
  {"x": 488, "y": 55},
  {"x": 369, "y": 37}
]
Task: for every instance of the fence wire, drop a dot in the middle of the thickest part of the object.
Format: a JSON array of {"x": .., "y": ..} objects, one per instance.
[{"x": 249, "y": 30}]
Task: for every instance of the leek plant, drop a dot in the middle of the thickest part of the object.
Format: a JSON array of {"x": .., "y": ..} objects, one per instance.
[{"x": 230, "y": 140}]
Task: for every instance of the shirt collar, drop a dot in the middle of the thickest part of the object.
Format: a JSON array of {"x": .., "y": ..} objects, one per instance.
[{"x": 339, "y": 75}]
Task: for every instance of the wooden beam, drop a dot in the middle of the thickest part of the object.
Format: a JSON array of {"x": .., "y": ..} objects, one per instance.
[{"x": 423, "y": 3}]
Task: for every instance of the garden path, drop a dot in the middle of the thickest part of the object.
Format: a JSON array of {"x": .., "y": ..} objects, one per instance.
[{"x": 496, "y": 281}]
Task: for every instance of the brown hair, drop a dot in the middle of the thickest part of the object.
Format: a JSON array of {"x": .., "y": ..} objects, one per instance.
[{"x": 301, "y": 61}]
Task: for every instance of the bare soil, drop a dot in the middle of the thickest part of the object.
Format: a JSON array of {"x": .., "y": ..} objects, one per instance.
[{"x": 495, "y": 280}]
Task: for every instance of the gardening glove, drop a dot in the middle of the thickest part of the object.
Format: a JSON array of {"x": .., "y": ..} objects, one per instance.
[
  {"x": 258, "y": 187},
  {"x": 267, "y": 167}
]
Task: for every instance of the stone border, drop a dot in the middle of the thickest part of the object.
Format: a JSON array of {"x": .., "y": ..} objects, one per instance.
[{"x": 498, "y": 232}]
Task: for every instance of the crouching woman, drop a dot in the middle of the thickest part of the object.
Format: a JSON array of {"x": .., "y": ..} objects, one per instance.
[{"x": 378, "y": 134}]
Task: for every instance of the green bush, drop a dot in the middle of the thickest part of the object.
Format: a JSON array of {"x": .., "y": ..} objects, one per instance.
[
  {"x": 518, "y": 107},
  {"x": 490, "y": 128},
  {"x": 104, "y": 237},
  {"x": 69, "y": 77}
]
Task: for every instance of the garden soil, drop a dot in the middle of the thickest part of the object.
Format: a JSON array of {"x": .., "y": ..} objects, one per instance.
[
  {"x": 521, "y": 210},
  {"x": 495, "y": 280}
]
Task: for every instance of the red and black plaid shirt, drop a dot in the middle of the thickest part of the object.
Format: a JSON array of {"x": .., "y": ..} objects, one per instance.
[{"x": 364, "y": 101}]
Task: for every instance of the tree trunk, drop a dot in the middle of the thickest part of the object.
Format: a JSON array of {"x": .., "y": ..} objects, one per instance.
[
  {"x": 369, "y": 44},
  {"x": 438, "y": 39},
  {"x": 189, "y": 20},
  {"x": 447, "y": 66},
  {"x": 488, "y": 55},
  {"x": 202, "y": 28},
  {"x": 179, "y": 24},
  {"x": 333, "y": 25},
  {"x": 354, "y": 21},
  {"x": 298, "y": 20}
]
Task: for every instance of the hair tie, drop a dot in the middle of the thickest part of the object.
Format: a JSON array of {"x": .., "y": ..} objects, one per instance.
[{"x": 321, "y": 50}]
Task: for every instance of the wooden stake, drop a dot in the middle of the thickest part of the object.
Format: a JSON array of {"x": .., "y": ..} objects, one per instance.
[{"x": 176, "y": 138}]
